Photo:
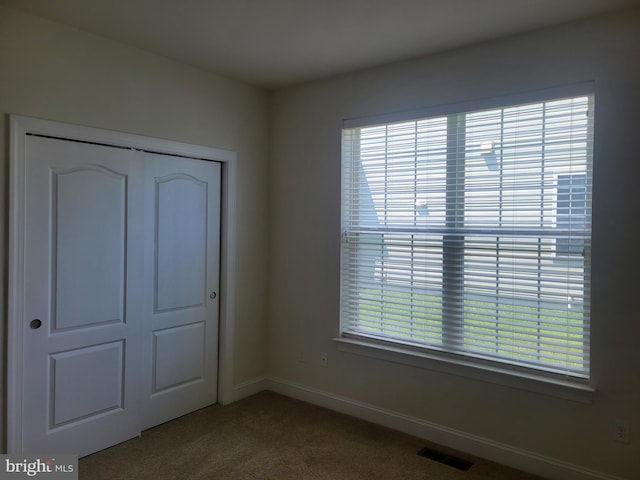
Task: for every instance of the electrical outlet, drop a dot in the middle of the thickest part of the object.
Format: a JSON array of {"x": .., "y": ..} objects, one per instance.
[
  {"x": 621, "y": 432},
  {"x": 323, "y": 359}
]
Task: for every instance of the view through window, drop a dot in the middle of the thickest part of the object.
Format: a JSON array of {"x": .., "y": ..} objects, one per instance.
[{"x": 470, "y": 234}]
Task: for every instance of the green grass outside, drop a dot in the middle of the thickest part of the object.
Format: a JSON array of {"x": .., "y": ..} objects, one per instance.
[{"x": 485, "y": 326}]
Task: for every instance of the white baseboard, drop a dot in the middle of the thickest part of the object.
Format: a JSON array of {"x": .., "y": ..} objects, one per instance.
[
  {"x": 250, "y": 387},
  {"x": 524, "y": 460}
]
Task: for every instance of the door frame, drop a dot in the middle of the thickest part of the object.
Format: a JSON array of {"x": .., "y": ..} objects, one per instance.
[{"x": 20, "y": 127}]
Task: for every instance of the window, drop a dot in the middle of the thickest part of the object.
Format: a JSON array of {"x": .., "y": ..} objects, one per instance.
[{"x": 469, "y": 233}]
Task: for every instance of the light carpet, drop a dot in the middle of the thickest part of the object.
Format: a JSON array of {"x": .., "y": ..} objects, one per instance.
[{"x": 269, "y": 436}]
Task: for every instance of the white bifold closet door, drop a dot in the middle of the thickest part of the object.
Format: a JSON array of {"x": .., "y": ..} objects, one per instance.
[{"x": 121, "y": 276}]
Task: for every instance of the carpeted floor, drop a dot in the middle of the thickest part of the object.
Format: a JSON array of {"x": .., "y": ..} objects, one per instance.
[{"x": 268, "y": 436}]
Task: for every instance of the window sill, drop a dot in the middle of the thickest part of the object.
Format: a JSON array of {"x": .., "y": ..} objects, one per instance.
[{"x": 552, "y": 386}]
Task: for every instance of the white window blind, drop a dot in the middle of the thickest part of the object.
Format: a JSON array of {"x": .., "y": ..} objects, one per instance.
[{"x": 470, "y": 234}]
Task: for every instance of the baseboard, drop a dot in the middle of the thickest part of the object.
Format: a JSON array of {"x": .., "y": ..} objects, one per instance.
[
  {"x": 524, "y": 460},
  {"x": 250, "y": 387}
]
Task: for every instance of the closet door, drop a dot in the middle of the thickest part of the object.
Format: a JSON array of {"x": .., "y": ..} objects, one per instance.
[
  {"x": 181, "y": 286},
  {"x": 82, "y": 296},
  {"x": 121, "y": 291}
]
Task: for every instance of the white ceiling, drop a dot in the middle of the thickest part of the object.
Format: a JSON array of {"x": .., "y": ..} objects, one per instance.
[{"x": 273, "y": 43}]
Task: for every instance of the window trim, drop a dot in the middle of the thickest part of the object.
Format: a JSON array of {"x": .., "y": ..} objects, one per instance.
[
  {"x": 530, "y": 379},
  {"x": 456, "y": 365}
]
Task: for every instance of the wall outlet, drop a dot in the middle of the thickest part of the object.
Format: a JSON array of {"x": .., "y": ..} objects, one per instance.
[
  {"x": 323, "y": 359},
  {"x": 621, "y": 431}
]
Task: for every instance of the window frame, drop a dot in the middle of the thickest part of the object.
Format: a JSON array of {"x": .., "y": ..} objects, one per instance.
[{"x": 457, "y": 362}]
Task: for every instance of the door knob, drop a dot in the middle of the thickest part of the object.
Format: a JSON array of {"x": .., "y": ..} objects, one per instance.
[
  {"x": 213, "y": 295},
  {"x": 35, "y": 323}
]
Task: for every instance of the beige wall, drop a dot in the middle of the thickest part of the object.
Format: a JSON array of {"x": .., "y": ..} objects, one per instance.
[
  {"x": 58, "y": 73},
  {"x": 305, "y": 240}
]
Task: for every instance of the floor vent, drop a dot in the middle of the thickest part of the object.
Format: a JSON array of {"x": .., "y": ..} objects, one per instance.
[{"x": 445, "y": 459}]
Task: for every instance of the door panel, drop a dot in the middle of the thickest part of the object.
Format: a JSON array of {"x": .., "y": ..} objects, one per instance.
[
  {"x": 178, "y": 356},
  {"x": 89, "y": 382},
  {"x": 180, "y": 242},
  {"x": 89, "y": 208},
  {"x": 182, "y": 201},
  {"x": 81, "y": 366}
]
